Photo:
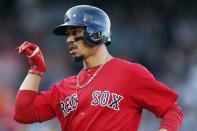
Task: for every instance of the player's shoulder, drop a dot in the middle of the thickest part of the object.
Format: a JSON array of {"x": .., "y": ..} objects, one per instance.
[
  {"x": 126, "y": 63},
  {"x": 121, "y": 62},
  {"x": 136, "y": 68},
  {"x": 70, "y": 79},
  {"x": 66, "y": 81},
  {"x": 140, "y": 70}
]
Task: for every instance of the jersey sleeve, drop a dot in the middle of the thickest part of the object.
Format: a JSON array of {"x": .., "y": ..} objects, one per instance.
[
  {"x": 31, "y": 106},
  {"x": 149, "y": 93},
  {"x": 45, "y": 103}
]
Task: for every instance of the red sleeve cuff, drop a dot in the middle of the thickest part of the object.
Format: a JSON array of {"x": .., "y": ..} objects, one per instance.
[
  {"x": 172, "y": 118},
  {"x": 28, "y": 92}
]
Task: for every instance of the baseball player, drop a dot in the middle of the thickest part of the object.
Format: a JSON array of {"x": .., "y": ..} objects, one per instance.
[{"x": 108, "y": 94}]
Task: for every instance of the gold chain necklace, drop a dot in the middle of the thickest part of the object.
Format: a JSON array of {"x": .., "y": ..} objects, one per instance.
[{"x": 91, "y": 78}]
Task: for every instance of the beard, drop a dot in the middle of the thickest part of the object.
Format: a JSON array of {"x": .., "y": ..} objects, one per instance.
[{"x": 78, "y": 59}]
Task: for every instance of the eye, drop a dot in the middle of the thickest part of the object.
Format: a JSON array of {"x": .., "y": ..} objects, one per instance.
[
  {"x": 66, "y": 34},
  {"x": 75, "y": 32}
]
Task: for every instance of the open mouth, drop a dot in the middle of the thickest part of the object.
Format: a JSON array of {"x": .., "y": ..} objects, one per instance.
[{"x": 72, "y": 48}]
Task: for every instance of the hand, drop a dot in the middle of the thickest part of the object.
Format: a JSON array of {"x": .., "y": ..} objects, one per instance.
[{"x": 35, "y": 57}]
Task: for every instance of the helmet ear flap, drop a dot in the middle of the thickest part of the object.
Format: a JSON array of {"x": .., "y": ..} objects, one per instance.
[{"x": 95, "y": 38}]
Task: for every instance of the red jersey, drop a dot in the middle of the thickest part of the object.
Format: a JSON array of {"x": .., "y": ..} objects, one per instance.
[{"x": 112, "y": 101}]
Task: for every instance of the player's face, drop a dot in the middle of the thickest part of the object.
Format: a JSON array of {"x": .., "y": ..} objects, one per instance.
[{"x": 78, "y": 48}]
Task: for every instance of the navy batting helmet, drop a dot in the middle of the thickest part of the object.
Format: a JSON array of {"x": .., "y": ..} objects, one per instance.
[{"x": 96, "y": 22}]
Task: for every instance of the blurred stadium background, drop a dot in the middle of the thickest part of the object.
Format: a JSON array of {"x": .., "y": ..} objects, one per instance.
[{"x": 159, "y": 34}]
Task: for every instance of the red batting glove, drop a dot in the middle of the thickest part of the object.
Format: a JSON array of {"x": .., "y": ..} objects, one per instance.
[{"x": 35, "y": 57}]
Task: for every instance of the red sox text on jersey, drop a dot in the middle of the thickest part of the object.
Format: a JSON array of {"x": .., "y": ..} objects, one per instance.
[
  {"x": 69, "y": 104},
  {"x": 98, "y": 98}
]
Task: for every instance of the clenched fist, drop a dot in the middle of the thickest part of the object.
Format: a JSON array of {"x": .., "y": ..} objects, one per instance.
[{"x": 35, "y": 57}]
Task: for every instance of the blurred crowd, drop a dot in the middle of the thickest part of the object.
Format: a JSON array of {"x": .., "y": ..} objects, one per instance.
[{"x": 161, "y": 35}]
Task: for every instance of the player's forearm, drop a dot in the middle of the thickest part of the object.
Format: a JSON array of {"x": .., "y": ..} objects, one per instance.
[
  {"x": 25, "y": 111},
  {"x": 37, "y": 65},
  {"x": 31, "y": 82}
]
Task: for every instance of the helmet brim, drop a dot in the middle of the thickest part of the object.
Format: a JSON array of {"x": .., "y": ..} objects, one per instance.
[{"x": 61, "y": 29}]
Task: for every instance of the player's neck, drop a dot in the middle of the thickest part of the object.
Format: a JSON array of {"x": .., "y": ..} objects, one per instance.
[{"x": 98, "y": 58}]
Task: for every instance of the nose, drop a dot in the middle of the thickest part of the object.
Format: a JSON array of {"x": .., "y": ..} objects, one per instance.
[{"x": 70, "y": 39}]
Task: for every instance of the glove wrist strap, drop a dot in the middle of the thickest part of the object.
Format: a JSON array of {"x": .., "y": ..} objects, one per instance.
[{"x": 35, "y": 72}]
